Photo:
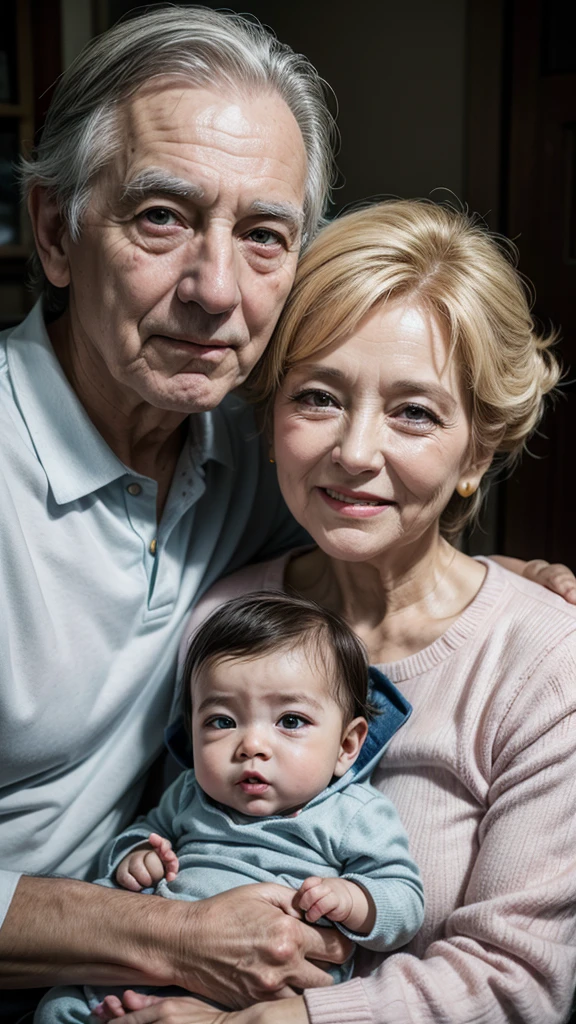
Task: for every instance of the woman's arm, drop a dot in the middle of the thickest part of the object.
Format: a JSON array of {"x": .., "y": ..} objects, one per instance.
[
  {"x": 508, "y": 953},
  {"x": 238, "y": 947}
]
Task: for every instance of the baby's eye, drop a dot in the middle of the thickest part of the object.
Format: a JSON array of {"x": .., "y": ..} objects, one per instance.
[
  {"x": 221, "y": 722},
  {"x": 291, "y": 721}
]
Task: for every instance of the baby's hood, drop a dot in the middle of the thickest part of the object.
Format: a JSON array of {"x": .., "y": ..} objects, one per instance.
[{"x": 391, "y": 711}]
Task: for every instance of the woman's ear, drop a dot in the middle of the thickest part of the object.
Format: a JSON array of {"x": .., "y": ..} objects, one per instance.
[
  {"x": 470, "y": 480},
  {"x": 350, "y": 745},
  {"x": 51, "y": 235}
]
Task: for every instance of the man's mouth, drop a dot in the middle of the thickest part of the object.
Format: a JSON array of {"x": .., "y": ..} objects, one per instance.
[{"x": 213, "y": 349}]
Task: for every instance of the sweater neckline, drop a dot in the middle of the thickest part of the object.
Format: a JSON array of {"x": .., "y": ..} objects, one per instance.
[{"x": 455, "y": 636}]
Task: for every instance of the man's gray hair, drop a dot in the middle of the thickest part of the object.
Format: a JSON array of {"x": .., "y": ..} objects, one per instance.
[{"x": 82, "y": 132}]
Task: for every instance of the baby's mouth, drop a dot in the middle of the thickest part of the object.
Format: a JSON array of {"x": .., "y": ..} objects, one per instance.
[{"x": 252, "y": 782}]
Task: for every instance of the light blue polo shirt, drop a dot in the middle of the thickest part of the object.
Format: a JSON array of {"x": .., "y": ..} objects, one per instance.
[{"x": 93, "y": 598}]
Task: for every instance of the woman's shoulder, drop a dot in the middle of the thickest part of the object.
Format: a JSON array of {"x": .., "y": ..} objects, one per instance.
[{"x": 524, "y": 603}]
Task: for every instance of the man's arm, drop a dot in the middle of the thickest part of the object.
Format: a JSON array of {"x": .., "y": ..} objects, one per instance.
[
  {"x": 554, "y": 576},
  {"x": 239, "y": 947}
]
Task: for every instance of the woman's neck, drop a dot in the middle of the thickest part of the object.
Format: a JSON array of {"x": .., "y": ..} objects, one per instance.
[{"x": 396, "y": 605}]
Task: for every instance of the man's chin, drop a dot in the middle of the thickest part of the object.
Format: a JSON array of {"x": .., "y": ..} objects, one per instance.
[{"x": 198, "y": 395}]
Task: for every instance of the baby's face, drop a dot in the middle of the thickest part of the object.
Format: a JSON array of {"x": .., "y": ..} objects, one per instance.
[{"x": 267, "y": 733}]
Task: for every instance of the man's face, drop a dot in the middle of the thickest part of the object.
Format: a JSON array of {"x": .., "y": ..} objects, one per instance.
[{"x": 189, "y": 245}]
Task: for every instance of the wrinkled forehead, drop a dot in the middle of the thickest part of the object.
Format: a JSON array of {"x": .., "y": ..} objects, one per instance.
[{"x": 170, "y": 122}]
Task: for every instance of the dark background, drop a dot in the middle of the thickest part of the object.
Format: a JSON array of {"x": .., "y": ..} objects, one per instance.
[{"x": 474, "y": 99}]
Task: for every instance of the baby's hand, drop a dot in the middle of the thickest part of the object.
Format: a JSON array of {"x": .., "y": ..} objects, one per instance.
[
  {"x": 147, "y": 864},
  {"x": 325, "y": 897},
  {"x": 338, "y": 899},
  {"x": 113, "y": 1007}
]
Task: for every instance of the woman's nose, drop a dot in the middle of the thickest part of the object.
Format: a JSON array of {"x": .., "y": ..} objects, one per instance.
[{"x": 360, "y": 447}]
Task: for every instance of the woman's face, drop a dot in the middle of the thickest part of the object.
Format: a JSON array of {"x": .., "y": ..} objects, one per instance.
[{"x": 371, "y": 436}]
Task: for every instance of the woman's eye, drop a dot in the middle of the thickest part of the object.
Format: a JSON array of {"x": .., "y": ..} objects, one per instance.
[
  {"x": 160, "y": 216},
  {"x": 292, "y": 721},
  {"x": 315, "y": 399},
  {"x": 221, "y": 722},
  {"x": 419, "y": 415}
]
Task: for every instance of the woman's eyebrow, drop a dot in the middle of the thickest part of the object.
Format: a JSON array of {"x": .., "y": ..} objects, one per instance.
[
  {"x": 425, "y": 388},
  {"x": 319, "y": 370}
]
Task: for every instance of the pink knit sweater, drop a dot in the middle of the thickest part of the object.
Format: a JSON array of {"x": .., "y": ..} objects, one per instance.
[{"x": 484, "y": 778}]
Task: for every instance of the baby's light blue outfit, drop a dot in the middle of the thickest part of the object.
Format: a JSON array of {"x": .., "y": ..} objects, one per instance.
[{"x": 350, "y": 830}]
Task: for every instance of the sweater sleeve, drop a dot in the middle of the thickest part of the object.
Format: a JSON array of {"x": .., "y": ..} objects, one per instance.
[
  {"x": 508, "y": 953},
  {"x": 160, "y": 819},
  {"x": 374, "y": 854}
]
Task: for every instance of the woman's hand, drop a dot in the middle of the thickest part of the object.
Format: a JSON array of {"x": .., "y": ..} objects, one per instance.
[
  {"x": 554, "y": 576},
  {"x": 136, "y": 1008}
]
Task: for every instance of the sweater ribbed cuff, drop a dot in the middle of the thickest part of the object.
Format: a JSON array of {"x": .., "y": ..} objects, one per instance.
[{"x": 341, "y": 1004}]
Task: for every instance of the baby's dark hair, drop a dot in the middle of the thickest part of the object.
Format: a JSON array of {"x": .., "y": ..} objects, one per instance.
[{"x": 267, "y": 621}]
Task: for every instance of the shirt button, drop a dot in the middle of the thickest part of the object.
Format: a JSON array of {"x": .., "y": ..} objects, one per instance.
[
  {"x": 134, "y": 489},
  {"x": 153, "y": 546}
]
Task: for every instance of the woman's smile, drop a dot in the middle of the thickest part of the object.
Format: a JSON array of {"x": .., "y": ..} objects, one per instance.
[
  {"x": 372, "y": 437},
  {"x": 353, "y": 503}
]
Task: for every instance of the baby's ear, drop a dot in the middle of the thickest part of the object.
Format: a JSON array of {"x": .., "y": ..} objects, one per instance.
[{"x": 350, "y": 745}]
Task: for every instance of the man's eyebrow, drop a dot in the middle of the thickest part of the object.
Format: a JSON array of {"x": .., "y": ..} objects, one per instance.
[
  {"x": 287, "y": 212},
  {"x": 155, "y": 181}
]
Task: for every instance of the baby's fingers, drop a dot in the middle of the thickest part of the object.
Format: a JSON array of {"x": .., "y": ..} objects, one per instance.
[
  {"x": 163, "y": 848},
  {"x": 129, "y": 873},
  {"x": 316, "y": 898}
]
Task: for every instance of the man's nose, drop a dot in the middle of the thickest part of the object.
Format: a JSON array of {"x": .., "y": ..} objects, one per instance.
[
  {"x": 210, "y": 277},
  {"x": 360, "y": 446},
  {"x": 253, "y": 743}
]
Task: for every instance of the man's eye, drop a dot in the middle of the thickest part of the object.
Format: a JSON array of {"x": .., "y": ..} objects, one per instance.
[
  {"x": 292, "y": 721},
  {"x": 221, "y": 722},
  {"x": 160, "y": 216},
  {"x": 314, "y": 399},
  {"x": 262, "y": 236}
]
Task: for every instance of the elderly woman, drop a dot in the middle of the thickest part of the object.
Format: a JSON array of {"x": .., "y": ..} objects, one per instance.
[{"x": 404, "y": 362}]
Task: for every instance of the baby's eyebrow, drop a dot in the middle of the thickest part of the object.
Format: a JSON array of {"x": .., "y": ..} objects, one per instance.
[
  {"x": 298, "y": 698},
  {"x": 215, "y": 700}
]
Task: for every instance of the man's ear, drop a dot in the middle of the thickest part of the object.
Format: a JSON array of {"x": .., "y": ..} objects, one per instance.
[
  {"x": 50, "y": 234},
  {"x": 350, "y": 745}
]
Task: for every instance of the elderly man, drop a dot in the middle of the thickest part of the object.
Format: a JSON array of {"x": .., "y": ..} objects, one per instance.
[{"x": 185, "y": 158}]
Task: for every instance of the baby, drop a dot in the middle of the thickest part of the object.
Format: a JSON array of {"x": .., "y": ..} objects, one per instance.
[{"x": 276, "y": 701}]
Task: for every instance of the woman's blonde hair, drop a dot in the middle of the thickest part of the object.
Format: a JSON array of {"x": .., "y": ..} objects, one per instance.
[{"x": 448, "y": 261}]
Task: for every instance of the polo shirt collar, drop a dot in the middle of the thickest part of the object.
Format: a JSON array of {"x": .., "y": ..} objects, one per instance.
[{"x": 74, "y": 455}]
